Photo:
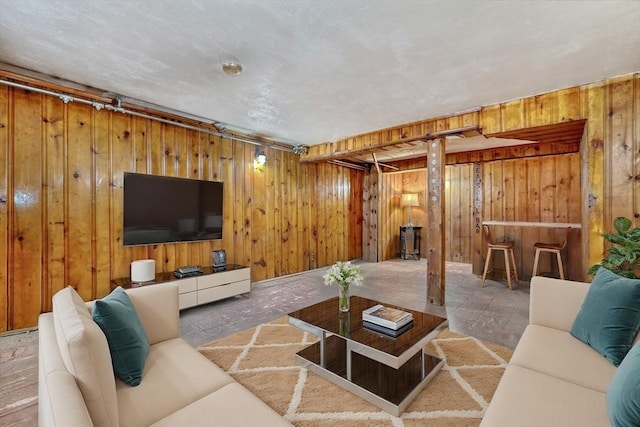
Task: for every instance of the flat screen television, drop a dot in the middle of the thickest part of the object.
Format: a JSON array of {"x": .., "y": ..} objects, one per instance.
[{"x": 162, "y": 209}]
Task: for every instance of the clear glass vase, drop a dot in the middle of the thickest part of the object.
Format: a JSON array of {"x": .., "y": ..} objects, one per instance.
[
  {"x": 345, "y": 324},
  {"x": 343, "y": 297}
]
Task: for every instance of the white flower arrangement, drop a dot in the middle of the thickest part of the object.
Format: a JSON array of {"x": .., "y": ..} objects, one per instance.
[{"x": 344, "y": 274}]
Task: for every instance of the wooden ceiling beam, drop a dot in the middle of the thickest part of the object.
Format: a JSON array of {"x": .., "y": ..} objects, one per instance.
[
  {"x": 568, "y": 131},
  {"x": 467, "y": 130}
]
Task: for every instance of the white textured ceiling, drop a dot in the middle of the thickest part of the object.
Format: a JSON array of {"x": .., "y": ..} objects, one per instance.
[{"x": 317, "y": 70}]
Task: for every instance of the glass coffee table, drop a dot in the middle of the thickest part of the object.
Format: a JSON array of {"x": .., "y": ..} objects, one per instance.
[{"x": 387, "y": 372}]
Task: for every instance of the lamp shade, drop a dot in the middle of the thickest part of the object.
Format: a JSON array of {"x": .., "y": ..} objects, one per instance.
[{"x": 409, "y": 199}]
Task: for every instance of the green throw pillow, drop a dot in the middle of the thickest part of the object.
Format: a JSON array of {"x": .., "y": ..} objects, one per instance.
[
  {"x": 623, "y": 395},
  {"x": 610, "y": 315},
  {"x": 127, "y": 339}
]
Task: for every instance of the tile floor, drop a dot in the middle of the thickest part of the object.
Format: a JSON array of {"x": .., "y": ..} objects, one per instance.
[{"x": 491, "y": 313}]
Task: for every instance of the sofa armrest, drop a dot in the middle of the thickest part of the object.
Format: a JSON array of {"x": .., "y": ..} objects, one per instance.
[
  {"x": 157, "y": 307},
  {"x": 60, "y": 401},
  {"x": 555, "y": 303}
]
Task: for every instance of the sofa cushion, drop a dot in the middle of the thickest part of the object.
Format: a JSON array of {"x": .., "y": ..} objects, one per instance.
[
  {"x": 85, "y": 354},
  {"x": 556, "y": 353},
  {"x": 527, "y": 398},
  {"x": 128, "y": 343},
  {"x": 610, "y": 315},
  {"x": 623, "y": 396},
  {"x": 175, "y": 375},
  {"x": 233, "y": 406}
]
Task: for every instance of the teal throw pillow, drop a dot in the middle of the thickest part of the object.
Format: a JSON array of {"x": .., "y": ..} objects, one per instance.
[
  {"x": 623, "y": 395},
  {"x": 127, "y": 339},
  {"x": 610, "y": 315}
]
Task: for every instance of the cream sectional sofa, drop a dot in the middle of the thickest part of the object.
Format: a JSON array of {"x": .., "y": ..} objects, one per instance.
[
  {"x": 553, "y": 379},
  {"x": 180, "y": 387}
]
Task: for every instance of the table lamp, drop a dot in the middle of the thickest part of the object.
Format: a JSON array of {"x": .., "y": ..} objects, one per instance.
[{"x": 409, "y": 200}]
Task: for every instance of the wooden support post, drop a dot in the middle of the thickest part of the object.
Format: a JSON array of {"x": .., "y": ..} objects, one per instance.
[
  {"x": 476, "y": 250},
  {"x": 372, "y": 181},
  {"x": 435, "y": 229}
]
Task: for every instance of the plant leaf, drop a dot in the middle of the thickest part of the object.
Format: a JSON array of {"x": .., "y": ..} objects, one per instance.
[
  {"x": 593, "y": 269},
  {"x": 616, "y": 260},
  {"x": 615, "y": 238},
  {"x": 622, "y": 224},
  {"x": 623, "y": 257},
  {"x": 634, "y": 234},
  {"x": 626, "y": 273}
]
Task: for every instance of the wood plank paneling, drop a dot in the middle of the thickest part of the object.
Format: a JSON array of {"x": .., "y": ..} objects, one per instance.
[
  {"x": 593, "y": 192},
  {"x": 620, "y": 156},
  {"x": 259, "y": 222},
  {"x": 533, "y": 190},
  {"x": 78, "y": 182},
  {"x": 61, "y": 186},
  {"x": 121, "y": 160},
  {"x": 356, "y": 181},
  {"x": 6, "y": 205},
  {"x": 56, "y": 160},
  {"x": 31, "y": 241},
  {"x": 458, "y": 211},
  {"x": 27, "y": 215},
  {"x": 611, "y": 111}
]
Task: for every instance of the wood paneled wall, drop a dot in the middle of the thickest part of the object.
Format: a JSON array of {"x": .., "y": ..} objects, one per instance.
[
  {"x": 61, "y": 175},
  {"x": 392, "y": 215},
  {"x": 610, "y": 152},
  {"x": 458, "y": 199},
  {"x": 538, "y": 189},
  {"x": 459, "y": 213}
]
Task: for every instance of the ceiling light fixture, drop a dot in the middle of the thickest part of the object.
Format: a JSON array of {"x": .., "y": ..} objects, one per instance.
[
  {"x": 231, "y": 66},
  {"x": 299, "y": 149}
]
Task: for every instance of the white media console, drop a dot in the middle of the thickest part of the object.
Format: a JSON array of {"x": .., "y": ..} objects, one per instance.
[{"x": 196, "y": 290}]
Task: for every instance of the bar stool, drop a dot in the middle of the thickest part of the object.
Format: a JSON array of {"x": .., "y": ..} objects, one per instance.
[
  {"x": 552, "y": 248},
  {"x": 509, "y": 259}
]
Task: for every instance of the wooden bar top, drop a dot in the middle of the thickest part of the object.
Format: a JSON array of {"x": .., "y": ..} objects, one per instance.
[{"x": 534, "y": 224}]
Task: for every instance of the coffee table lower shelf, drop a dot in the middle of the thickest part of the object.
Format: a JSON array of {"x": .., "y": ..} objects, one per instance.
[{"x": 390, "y": 389}]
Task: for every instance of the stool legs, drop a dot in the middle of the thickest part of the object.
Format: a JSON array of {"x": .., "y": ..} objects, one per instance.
[
  {"x": 535, "y": 263},
  {"x": 513, "y": 262},
  {"x": 509, "y": 263},
  {"x": 486, "y": 266},
  {"x": 560, "y": 267},
  {"x": 551, "y": 251}
]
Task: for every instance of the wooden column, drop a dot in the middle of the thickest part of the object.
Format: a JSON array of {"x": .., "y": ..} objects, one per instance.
[
  {"x": 370, "y": 201},
  {"x": 477, "y": 250},
  {"x": 435, "y": 228}
]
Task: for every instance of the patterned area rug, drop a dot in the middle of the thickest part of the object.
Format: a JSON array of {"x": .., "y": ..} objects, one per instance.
[{"x": 262, "y": 359}]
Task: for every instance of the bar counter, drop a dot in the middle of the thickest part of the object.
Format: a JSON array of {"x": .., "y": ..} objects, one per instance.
[
  {"x": 534, "y": 224},
  {"x": 525, "y": 234}
]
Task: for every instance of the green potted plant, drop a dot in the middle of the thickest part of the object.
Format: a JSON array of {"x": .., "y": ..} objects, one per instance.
[{"x": 623, "y": 258}]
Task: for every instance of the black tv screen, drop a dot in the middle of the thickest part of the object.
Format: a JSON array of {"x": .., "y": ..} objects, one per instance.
[{"x": 162, "y": 209}]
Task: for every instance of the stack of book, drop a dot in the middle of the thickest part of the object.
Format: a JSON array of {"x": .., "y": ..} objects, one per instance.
[{"x": 387, "y": 320}]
